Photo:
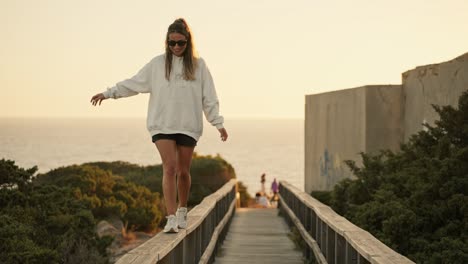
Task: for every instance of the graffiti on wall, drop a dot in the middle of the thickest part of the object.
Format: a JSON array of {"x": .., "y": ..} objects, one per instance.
[{"x": 332, "y": 169}]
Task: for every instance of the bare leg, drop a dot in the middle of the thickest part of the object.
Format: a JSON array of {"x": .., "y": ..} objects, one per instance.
[
  {"x": 184, "y": 160},
  {"x": 168, "y": 152}
]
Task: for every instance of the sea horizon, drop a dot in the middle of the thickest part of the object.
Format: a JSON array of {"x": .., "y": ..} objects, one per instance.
[{"x": 255, "y": 146}]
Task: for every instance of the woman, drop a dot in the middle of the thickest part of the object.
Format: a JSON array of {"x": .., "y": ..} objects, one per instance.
[{"x": 181, "y": 89}]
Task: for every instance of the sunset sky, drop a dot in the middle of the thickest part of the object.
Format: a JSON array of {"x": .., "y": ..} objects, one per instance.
[{"x": 264, "y": 55}]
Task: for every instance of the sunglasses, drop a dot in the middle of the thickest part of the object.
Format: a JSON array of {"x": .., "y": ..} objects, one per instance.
[{"x": 181, "y": 43}]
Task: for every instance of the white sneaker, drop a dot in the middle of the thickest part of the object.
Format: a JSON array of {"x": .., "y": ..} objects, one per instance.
[
  {"x": 181, "y": 215},
  {"x": 171, "y": 225}
]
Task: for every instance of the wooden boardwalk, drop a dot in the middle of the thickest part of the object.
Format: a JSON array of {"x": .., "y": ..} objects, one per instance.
[{"x": 258, "y": 236}]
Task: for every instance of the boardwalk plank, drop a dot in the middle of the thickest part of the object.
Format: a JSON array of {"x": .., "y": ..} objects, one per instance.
[{"x": 258, "y": 236}]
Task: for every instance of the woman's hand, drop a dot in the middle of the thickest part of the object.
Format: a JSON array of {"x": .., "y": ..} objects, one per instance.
[
  {"x": 98, "y": 98},
  {"x": 223, "y": 133}
]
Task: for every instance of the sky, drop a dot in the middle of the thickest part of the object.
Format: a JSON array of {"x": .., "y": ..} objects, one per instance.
[{"x": 264, "y": 55}]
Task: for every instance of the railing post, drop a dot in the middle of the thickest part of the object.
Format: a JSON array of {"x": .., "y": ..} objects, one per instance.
[
  {"x": 323, "y": 238},
  {"x": 189, "y": 248},
  {"x": 313, "y": 226},
  {"x": 340, "y": 249},
  {"x": 175, "y": 256},
  {"x": 205, "y": 232},
  {"x": 330, "y": 245},
  {"x": 351, "y": 254},
  {"x": 308, "y": 217},
  {"x": 318, "y": 230},
  {"x": 308, "y": 223}
]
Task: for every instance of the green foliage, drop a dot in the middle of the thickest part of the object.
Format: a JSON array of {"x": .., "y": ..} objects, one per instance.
[
  {"x": 43, "y": 224},
  {"x": 416, "y": 200},
  {"x": 14, "y": 176},
  {"x": 108, "y": 195},
  {"x": 51, "y": 218},
  {"x": 322, "y": 196},
  {"x": 212, "y": 170},
  {"x": 148, "y": 176},
  {"x": 104, "y": 242},
  {"x": 244, "y": 194},
  {"x": 208, "y": 174},
  {"x": 131, "y": 192}
]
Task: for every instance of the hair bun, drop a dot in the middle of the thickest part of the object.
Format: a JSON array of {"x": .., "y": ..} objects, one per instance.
[
  {"x": 181, "y": 21},
  {"x": 180, "y": 26}
]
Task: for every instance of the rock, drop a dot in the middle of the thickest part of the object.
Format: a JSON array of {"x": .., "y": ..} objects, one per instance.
[{"x": 104, "y": 228}]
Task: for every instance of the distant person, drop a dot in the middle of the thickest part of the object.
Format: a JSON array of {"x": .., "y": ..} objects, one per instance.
[
  {"x": 274, "y": 197},
  {"x": 262, "y": 200},
  {"x": 181, "y": 89},
  {"x": 262, "y": 182},
  {"x": 274, "y": 187}
]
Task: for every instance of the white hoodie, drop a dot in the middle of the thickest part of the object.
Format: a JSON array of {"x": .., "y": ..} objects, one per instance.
[{"x": 175, "y": 106}]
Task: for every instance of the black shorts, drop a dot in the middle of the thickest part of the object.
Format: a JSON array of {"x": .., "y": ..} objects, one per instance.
[{"x": 180, "y": 139}]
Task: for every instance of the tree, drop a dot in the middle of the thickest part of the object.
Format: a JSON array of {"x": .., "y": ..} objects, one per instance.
[
  {"x": 43, "y": 224},
  {"x": 13, "y": 176}
]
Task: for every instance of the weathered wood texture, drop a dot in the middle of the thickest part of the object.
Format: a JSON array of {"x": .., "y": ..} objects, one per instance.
[
  {"x": 207, "y": 225},
  {"x": 258, "y": 236},
  {"x": 338, "y": 240}
]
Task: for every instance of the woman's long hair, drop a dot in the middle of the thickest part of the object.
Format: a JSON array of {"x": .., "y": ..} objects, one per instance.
[{"x": 190, "y": 59}]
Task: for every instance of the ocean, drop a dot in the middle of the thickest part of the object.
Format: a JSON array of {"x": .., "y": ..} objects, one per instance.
[{"x": 273, "y": 147}]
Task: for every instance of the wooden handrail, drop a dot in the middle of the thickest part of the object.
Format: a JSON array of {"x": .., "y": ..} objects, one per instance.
[
  {"x": 331, "y": 237},
  {"x": 206, "y": 227}
]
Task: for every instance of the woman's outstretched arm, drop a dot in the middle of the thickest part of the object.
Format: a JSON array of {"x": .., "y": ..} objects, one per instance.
[{"x": 97, "y": 99}]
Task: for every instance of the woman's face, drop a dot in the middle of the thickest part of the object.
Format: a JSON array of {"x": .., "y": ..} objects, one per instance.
[{"x": 177, "y": 43}]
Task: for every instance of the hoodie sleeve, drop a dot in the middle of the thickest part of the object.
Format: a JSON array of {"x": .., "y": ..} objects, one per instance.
[
  {"x": 210, "y": 99},
  {"x": 140, "y": 83}
]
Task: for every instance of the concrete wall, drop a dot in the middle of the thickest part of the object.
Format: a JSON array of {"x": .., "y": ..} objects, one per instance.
[
  {"x": 384, "y": 117},
  {"x": 440, "y": 84},
  {"x": 330, "y": 137},
  {"x": 340, "y": 124}
]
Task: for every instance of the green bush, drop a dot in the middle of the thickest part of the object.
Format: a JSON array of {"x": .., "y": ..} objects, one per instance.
[
  {"x": 109, "y": 195},
  {"x": 244, "y": 194},
  {"x": 208, "y": 174},
  {"x": 416, "y": 200},
  {"x": 43, "y": 224},
  {"x": 50, "y": 218}
]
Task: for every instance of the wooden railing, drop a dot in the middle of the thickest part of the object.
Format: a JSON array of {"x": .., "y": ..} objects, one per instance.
[
  {"x": 207, "y": 227},
  {"x": 329, "y": 236}
]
